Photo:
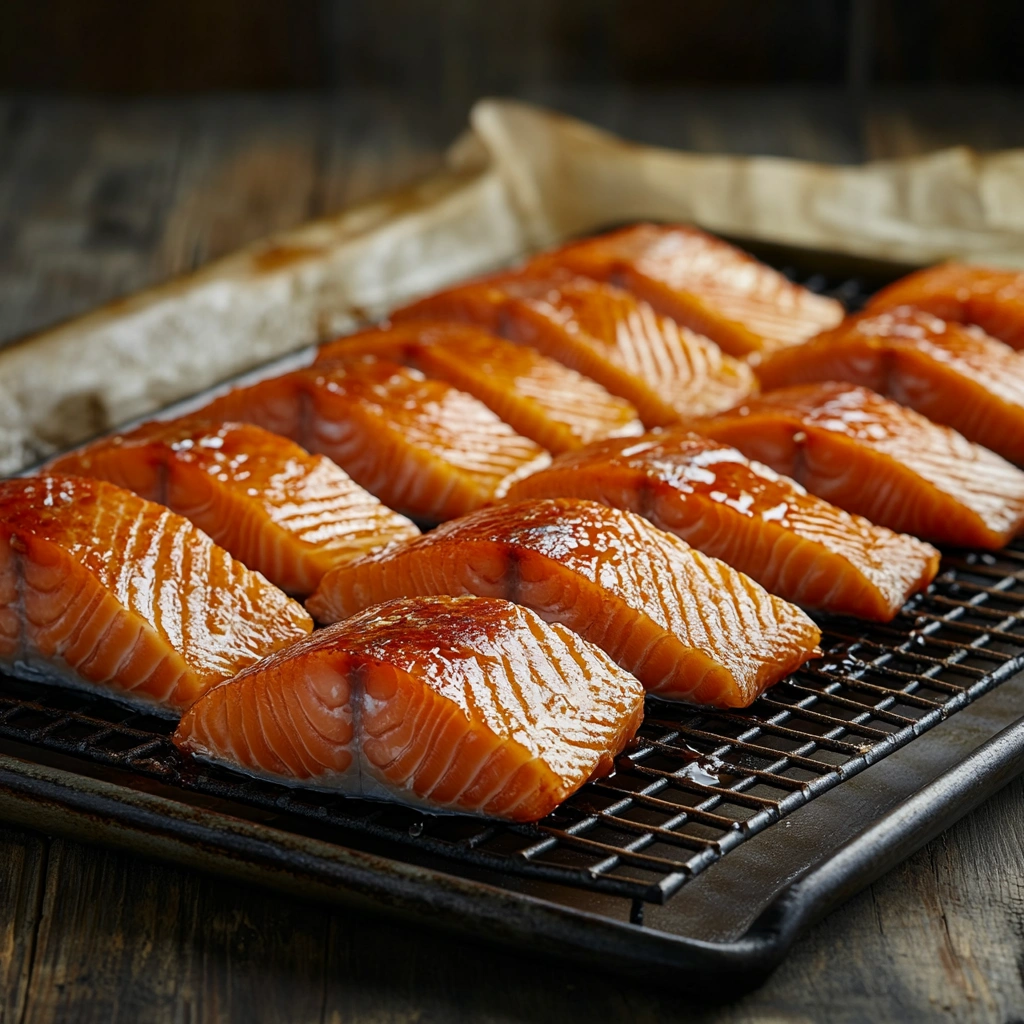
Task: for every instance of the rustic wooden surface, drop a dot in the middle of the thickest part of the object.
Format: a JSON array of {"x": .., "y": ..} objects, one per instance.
[{"x": 98, "y": 198}]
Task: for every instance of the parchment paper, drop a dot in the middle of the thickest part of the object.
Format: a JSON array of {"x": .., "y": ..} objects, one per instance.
[{"x": 521, "y": 178}]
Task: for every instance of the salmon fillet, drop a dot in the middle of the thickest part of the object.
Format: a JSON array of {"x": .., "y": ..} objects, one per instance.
[
  {"x": 686, "y": 625},
  {"x": 604, "y": 333},
  {"x": 423, "y": 447},
  {"x": 461, "y": 704},
  {"x": 107, "y": 591},
  {"x": 992, "y": 299},
  {"x": 794, "y": 544},
  {"x": 279, "y": 510},
  {"x": 877, "y": 459},
  {"x": 703, "y": 283},
  {"x": 950, "y": 373},
  {"x": 538, "y": 397}
]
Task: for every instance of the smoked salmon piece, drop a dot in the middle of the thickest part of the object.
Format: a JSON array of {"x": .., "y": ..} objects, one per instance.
[
  {"x": 767, "y": 526},
  {"x": 880, "y": 460},
  {"x": 279, "y": 510},
  {"x": 703, "y": 283},
  {"x": 604, "y": 333},
  {"x": 107, "y": 591},
  {"x": 423, "y": 447},
  {"x": 461, "y": 704},
  {"x": 686, "y": 625},
  {"x": 539, "y": 398},
  {"x": 950, "y": 373},
  {"x": 992, "y": 299}
]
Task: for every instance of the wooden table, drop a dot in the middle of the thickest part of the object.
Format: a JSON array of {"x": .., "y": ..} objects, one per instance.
[{"x": 98, "y": 198}]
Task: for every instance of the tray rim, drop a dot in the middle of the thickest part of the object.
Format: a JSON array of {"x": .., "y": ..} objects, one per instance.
[{"x": 60, "y": 801}]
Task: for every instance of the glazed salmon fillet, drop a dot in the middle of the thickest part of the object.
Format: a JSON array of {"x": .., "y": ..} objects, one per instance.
[
  {"x": 461, "y": 704},
  {"x": 993, "y": 299},
  {"x": 665, "y": 371},
  {"x": 765, "y": 525},
  {"x": 951, "y": 373},
  {"x": 279, "y": 510},
  {"x": 686, "y": 625},
  {"x": 538, "y": 397},
  {"x": 104, "y": 590},
  {"x": 703, "y": 283},
  {"x": 877, "y": 459},
  {"x": 424, "y": 448}
]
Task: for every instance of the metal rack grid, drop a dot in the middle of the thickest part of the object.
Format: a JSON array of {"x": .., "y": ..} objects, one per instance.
[{"x": 696, "y": 784}]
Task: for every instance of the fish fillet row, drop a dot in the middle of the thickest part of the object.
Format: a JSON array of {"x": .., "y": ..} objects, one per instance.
[
  {"x": 604, "y": 333},
  {"x": 538, "y": 397},
  {"x": 877, "y": 459},
  {"x": 103, "y": 589},
  {"x": 951, "y": 373},
  {"x": 279, "y": 510},
  {"x": 701, "y": 282},
  {"x": 422, "y": 447},
  {"x": 992, "y": 299},
  {"x": 765, "y": 525},
  {"x": 686, "y": 625},
  {"x": 463, "y": 704}
]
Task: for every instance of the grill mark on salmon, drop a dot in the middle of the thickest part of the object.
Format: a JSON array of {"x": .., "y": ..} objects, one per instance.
[
  {"x": 422, "y": 447},
  {"x": 107, "y": 591},
  {"x": 703, "y": 283},
  {"x": 765, "y": 525},
  {"x": 279, "y": 510},
  {"x": 688, "y": 626},
  {"x": 665, "y": 371},
  {"x": 461, "y": 704},
  {"x": 951, "y": 373},
  {"x": 538, "y": 397},
  {"x": 880, "y": 460},
  {"x": 990, "y": 298}
]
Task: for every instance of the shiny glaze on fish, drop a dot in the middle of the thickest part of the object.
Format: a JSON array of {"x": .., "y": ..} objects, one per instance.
[
  {"x": 993, "y": 299},
  {"x": 423, "y": 447},
  {"x": 877, "y": 459},
  {"x": 283, "y": 512},
  {"x": 604, "y": 333},
  {"x": 686, "y": 625},
  {"x": 703, "y": 283},
  {"x": 951, "y": 373},
  {"x": 461, "y": 704},
  {"x": 794, "y": 544},
  {"x": 105, "y": 590},
  {"x": 538, "y": 397}
]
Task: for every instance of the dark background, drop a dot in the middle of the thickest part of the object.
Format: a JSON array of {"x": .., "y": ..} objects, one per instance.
[{"x": 465, "y": 48}]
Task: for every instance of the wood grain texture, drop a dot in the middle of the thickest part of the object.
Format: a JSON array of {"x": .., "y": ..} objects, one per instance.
[
  {"x": 23, "y": 857},
  {"x": 98, "y": 198}
]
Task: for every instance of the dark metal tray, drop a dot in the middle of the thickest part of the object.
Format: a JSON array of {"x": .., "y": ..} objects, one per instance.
[{"x": 719, "y": 838}]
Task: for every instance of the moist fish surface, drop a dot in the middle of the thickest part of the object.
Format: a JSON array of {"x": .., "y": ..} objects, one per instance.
[
  {"x": 686, "y": 625},
  {"x": 460, "y": 704},
  {"x": 951, "y": 373},
  {"x": 992, "y": 299},
  {"x": 703, "y": 283},
  {"x": 604, "y": 333},
  {"x": 279, "y": 510},
  {"x": 422, "y": 447},
  {"x": 765, "y": 525},
  {"x": 877, "y": 459},
  {"x": 538, "y": 397},
  {"x": 105, "y": 590}
]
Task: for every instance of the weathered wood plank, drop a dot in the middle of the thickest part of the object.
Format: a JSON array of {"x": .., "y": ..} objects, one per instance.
[
  {"x": 125, "y": 940},
  {"x": 22, "y": 873}
]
